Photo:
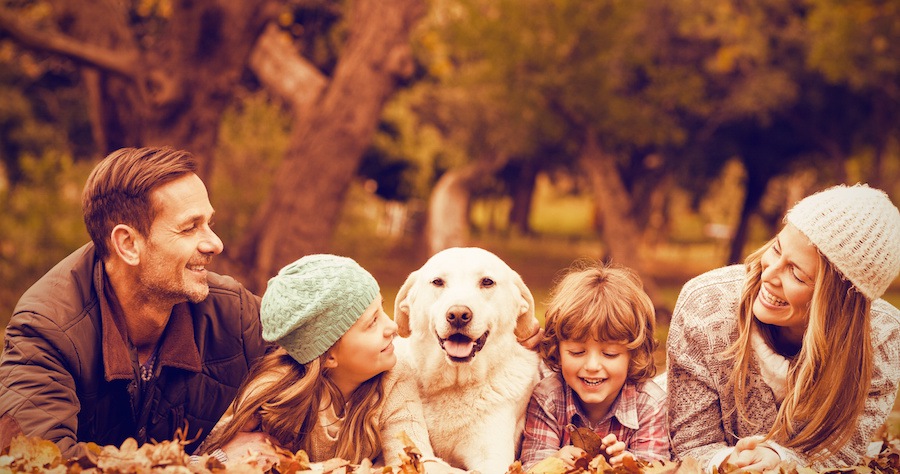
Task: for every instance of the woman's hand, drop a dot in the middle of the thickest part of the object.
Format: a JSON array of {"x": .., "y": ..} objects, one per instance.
[
  {"x": 569, "y": 454},
  {"x": 615, "y": 449},
  {"x": 752, "y": 454}
]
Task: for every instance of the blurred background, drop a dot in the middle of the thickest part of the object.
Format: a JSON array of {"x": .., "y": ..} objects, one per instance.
[{"x": 668, "y": 136}]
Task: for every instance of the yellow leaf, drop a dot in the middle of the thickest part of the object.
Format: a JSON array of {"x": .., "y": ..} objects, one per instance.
[
  {"x": 551, "y": 465},
  {"x": 661, "y": 467},
  {"x": 38, "y": 454}
]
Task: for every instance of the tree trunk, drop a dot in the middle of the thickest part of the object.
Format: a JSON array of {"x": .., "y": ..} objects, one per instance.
[
  {"x": 522, "y": 193},
  {"x": 756, "y": 187},
  {"x": 656, "y": 227},
  {"x": 447, "y": 223},
  {"x": 620, "y": 230},
  {"x": 328, "y": 141},
  {"x": 190, "y": 78}
]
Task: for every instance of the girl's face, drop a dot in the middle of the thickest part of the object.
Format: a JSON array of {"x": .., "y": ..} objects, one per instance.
[
  {"x": 364, "y": 351},
  {"x": 596, "y": 371},
  {"x": 788, "y": 277}
]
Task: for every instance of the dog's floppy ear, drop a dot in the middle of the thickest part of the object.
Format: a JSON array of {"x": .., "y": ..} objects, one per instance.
[
  {"x": 526, "y": 324},
  {"x": 402, "y": 303}
]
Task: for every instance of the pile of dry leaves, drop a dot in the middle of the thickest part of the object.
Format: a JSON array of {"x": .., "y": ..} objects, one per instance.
[{"x": 32, "y": 455}]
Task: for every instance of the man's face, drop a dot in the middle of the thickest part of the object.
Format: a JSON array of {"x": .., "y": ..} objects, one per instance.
[{"x": 181, "y": 242}]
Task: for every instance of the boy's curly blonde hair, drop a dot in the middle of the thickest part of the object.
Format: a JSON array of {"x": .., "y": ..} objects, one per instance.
[{"x": 605, "y": 302}]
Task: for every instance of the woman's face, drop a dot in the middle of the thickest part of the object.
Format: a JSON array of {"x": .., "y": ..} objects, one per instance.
[{"x": 789, "y": 270}]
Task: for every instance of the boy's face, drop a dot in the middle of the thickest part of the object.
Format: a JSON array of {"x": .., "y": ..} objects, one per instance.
[{"x": 596, "y": 372}]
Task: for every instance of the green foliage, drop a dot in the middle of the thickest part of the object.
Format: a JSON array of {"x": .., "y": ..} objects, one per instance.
[
  {"x": 254, "y": 135},
  {"x": 856, "y": 42},
  {"x": 41, "y": 222}
]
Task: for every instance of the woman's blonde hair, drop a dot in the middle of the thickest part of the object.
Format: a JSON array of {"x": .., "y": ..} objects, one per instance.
[
  {"x": 289, "y": 401},
  {"x": 828, "y": 381},
  {"x": 607, "y": 303}
]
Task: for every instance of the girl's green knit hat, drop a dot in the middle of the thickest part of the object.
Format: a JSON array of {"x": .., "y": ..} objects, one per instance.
[{"x": 312, "y": 302}]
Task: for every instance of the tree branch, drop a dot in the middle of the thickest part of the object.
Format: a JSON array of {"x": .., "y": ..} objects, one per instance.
[
  {"x": 279, "y": 66},
  {"x": 116, "y": 62}
]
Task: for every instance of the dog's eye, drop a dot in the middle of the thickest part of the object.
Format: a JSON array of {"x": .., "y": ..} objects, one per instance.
[
  {"x": 487, "y": 283},
  {"x": 438, "y": 282}
]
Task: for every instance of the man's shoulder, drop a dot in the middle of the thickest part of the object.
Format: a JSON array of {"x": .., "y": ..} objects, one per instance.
[
  {"x": 226, "y": 288},
  {"x": 65, "y": 294},
  {"x": 227, "y": 299},
  {"x": 220, "y": 284}
]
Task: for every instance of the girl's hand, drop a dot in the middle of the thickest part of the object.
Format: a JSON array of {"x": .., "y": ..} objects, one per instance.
[
  {"x": 569, "y": 454},
  {"x": 615, "y": 449},
  {"x": 751, "y": 454}
]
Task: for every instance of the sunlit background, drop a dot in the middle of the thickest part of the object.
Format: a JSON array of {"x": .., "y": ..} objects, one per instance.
[{"x": 670, "y": 136}]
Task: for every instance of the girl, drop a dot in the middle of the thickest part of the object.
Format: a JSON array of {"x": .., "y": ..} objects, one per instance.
[
  {"x": 328, "y": 388},
  {"x": 792, "y": 356}
]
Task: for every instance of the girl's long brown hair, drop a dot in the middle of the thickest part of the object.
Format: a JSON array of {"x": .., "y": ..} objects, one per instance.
[
  {"x": 828, "y": 381},
  {"x": 288, "y": 402}
]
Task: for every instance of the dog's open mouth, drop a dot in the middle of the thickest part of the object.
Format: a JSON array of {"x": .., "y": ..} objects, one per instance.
[{"x": 462, "y": 348}]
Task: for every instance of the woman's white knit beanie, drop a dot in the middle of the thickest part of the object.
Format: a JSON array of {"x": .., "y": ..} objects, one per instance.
[{"x": 857, "y": 228}]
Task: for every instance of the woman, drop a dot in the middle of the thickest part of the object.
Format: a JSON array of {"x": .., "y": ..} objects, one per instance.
[{"x": 792, "y": 356}]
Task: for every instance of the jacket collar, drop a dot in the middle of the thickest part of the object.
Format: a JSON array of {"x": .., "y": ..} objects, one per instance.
[{"x": 177, "y": 347}]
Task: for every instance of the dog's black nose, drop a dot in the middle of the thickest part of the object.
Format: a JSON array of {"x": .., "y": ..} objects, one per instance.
[{"x": 459, "y": 315}]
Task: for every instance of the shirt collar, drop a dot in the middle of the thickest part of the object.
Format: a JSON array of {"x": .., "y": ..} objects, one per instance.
[
  {"x": 623, "y": 408},
  {"x": 177, "y": 348}
]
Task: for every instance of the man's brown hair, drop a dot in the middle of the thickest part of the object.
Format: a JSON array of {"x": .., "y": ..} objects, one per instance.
[{"x": 118, "y": 189}]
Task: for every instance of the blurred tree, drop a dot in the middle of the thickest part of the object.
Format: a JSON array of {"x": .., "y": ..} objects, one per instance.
[
  {"x": 41, "y": 110},
  {"x": 164, "y": 71},
  {"x": 328, "y": 140},
  {"x": 778, "y": 106},
  {"x": 572, "y": 84},
  {"x": 857, "y": 45},
  {"x": 38, "y": 228},
  {"x": 631, "y": 92},
  {"x": 155, "y": 71}
]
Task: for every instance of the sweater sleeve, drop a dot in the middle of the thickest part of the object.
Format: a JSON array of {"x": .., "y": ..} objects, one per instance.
[
  {"x": 402, "y": 413},
  {"x": 695, "y": 414}
]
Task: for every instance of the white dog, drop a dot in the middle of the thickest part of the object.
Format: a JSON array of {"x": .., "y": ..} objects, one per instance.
[{"x": 463, "y": 312}]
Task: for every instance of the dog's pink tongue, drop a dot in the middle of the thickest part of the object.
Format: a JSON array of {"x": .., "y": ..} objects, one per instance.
[{"x": 459, "y": 349}]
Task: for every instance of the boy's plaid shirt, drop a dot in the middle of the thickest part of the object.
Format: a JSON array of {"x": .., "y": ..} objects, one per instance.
[{"x": 637, "y": 418}]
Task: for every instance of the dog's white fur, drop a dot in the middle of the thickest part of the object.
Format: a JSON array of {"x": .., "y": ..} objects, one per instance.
[{"x": 474, "y": 409}]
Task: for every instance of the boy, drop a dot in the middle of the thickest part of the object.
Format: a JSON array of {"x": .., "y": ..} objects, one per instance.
[{"x": 598, "y": 338}]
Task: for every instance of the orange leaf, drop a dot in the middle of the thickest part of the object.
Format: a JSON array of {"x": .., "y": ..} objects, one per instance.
[
  {"x": 37, "y": 454},
  {"x": 587, "y": 440}
]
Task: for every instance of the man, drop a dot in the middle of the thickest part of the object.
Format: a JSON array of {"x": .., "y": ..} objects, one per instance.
[{"x": 131, "y": 335}]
